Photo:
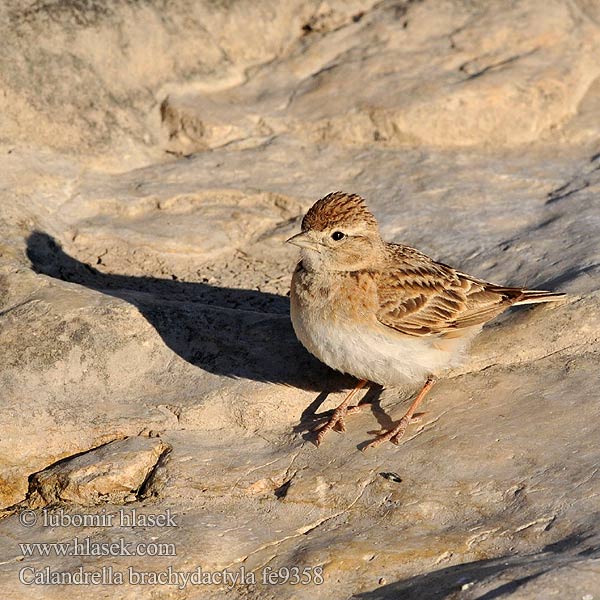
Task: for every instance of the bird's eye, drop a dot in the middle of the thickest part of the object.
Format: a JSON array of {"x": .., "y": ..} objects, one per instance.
[{"x": 337, "y": 236}]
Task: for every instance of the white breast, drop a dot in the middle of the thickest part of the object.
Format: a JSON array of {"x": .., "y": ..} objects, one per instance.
[{"x": 370, "y": 350}]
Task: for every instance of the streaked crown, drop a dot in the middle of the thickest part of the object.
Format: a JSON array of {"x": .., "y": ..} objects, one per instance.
[{"x": 338, "y": 209}]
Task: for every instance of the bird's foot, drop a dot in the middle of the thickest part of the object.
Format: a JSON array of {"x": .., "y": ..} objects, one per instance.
[
  {"x": 394, "y": 435},
  {"x": 337, "y": 421}
]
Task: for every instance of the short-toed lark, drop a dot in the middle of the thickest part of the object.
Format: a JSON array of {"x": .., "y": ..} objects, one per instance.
[{"x": 384, "y": 312}]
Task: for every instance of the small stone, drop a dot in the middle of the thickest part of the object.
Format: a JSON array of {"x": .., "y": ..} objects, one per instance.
[{"x": 113, "y": 473}]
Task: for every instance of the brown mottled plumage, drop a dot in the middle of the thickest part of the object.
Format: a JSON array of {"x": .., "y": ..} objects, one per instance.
[
  {"x": 419, "y": 296},
  {"x": 384, "y": 312},
  {"x": 338, "y": 208}
]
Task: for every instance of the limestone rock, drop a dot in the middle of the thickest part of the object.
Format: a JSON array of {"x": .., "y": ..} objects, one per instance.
[
  {"x": 156, "y": 156},
  {"x": 113, "y": 473}
]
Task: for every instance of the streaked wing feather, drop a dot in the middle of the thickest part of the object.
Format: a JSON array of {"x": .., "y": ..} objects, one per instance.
[{"x": 419, "y": 296}]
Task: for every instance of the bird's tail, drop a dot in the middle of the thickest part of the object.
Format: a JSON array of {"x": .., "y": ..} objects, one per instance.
[{"x": 536, "y": 296}]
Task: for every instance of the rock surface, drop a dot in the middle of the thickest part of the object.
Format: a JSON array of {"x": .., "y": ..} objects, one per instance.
[
  {"x": 155, "y": 157},
  {"x": 114, "y": 473}
]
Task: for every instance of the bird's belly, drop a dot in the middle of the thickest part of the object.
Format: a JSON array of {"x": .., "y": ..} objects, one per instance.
[{"x": 368, "y": 351}]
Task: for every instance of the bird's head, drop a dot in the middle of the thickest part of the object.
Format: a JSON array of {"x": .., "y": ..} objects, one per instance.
[{"x": 339, "y": 233}]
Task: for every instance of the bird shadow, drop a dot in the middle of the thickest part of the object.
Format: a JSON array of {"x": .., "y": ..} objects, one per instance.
[{"x": 237, "y": 333}]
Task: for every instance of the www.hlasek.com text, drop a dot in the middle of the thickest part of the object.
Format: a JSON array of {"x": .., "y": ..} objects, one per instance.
[{"x": 89, "y": 547}]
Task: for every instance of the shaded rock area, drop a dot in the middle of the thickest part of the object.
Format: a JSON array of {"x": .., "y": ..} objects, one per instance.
[{"x": 154, "y": 157}]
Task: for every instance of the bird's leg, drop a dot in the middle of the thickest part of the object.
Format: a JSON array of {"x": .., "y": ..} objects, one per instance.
[
  {"x": 397, "y": 432},
  {"x": 337, "y": 418}
]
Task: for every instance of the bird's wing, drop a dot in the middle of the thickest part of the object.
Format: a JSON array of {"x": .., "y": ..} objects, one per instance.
[{"x": 418, "y": 296}]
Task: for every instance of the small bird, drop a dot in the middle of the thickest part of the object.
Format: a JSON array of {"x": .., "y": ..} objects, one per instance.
[{"x": 384, "y": 312}]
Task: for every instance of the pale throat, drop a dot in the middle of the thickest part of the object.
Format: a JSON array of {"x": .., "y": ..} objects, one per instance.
[
  {"x": 312, "y": 260},
  {"x": 341, "y": 261}
]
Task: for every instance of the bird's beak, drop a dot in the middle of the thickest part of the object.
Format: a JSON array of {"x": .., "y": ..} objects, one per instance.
[{"x": 303, "y": 240}]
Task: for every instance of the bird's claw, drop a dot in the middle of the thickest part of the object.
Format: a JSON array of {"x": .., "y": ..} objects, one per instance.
[
  {"x": 393, "y": 435},
  {"x": 340, "y": 425},
  {"x": 336, "y": 423}
]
